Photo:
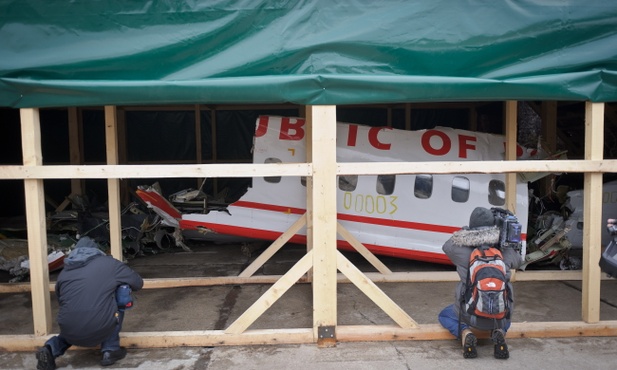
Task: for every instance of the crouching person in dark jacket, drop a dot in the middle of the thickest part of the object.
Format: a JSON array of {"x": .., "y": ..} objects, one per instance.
[
  {"x": 89, "y": 314},
  {"x": 481, "y": 231}
]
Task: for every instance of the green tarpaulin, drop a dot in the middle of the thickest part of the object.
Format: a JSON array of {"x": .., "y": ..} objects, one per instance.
[{"x": 84, "y": 52}]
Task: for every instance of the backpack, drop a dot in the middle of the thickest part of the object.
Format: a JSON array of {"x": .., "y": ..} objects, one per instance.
[{"x": 487, "y": 294}]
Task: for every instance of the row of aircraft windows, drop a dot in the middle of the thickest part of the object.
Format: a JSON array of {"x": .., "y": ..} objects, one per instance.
[{"x": 423, "y": 186}]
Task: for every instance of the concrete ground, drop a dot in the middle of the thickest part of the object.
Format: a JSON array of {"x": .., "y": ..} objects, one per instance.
[{"x": 216, "y": 307}]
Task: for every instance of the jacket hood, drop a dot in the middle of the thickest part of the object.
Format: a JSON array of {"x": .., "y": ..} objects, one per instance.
[
  {"x": 85, "y": 250},
  {"x": 476, "y": 237}
]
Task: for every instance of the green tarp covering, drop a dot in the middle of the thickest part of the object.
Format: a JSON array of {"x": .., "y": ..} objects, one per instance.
[{"x": 85, "y": 52}]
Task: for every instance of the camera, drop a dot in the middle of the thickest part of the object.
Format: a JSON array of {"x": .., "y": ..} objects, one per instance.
[
  {"x": 611, "y": 227},
  {"x": 608, "y": 259},
  {"x": 509, "y": 228}
]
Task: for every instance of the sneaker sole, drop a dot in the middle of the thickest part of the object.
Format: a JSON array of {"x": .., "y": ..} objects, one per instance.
[
  {"x": 501, "y": 348},
  {"x": 44, "y": 360},
  {"x": 469, "y": 349}
]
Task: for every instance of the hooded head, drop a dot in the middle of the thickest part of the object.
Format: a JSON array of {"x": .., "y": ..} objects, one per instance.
[
  {"x": 85, "y": 250},
  {"x": 481, "y": 217},
  {"x": 481, "y": 230}
]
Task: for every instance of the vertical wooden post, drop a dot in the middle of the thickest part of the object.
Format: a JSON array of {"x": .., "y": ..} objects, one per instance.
[
  {"x": 36, "y": 224},
  {"x": 75, "y": 147},
  {"x": 549, "y": 124},
  {"x": 309, "y": 188},
  {"x": 125, "y": 193},
  {"x": 389, "y": 116},
  {"x": 322, "y": 208},
  {"x": 592, "y": 212},
  {"x": 408, "y": 116},
  {"x": 213, "y": 124},
  {"x": 511, "y": 128},
  {"x": 473, "y": 118},
  {"x": 198, "y": 156},
  {"x": 548, "y": 116},
  {"x": 113, "y": 185}
]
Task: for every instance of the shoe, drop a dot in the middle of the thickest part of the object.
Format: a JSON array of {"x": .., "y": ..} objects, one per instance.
[
  {"x": 45, "y": 359},
  {"x": 501, "y": 348},
  {"x": 469, "y": 344},
  {"x": 110, "y": 357}
]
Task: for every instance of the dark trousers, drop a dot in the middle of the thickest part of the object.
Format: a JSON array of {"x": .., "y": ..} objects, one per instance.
[
  {"x": 449, "y": 320},
  {"x": 59, "y": 344}
]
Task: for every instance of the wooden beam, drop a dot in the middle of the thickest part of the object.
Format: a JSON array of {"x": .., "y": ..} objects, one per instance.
[
  {"x": 549, "y": 124},
  {"x": 214, "y": 146},
  {"x": 592, "y": 203},
  {"x": 322, "y": 120},
  {"x": 407, "y": 116},
  {"x": 565, "y": 329},
  {"x": 511, "y": 107},
  {"x": 75, "y": 146},
  {"x": 301, "y": 169},
  {"x": 345, "y": 333},
  {"x": 198, "y": 146},
  {"x": 274, "y": 247},
  {"x": 271, "y": 295},
  {"x": 36, "y": 223},
  {"x": 125, "y": 192},
  {"x": 371, "y": 290},
  {"x": 360, "y": 248},
  {"x": 113, "y": 185},
  {"x": 394, "y": 277}
]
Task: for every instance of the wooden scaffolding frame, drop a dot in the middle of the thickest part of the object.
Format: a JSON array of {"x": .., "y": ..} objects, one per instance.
[{"x": 322, "y": 260}]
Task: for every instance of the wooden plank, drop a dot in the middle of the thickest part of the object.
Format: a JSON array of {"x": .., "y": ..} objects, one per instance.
[
  {"x": 345, "y": 333},
  {"x": 170, "y": 339},
  {"x": 271, "y": 295},
  {"x": 381, "y": 168},
  {"x": 75, "y": 147},
  {"x": 374, "y": 293},
  {"x": 376, "y": 277},
  {"x": 561, "y": 329},
  {"x": 113, "y": 185},
  {"x": 36, "y": 222},
  {"x": 510, "y": 155},
  {"x": 549, "y": 125},
  {"x": 394, "y": 277},
  {"x": 274, "y": 247},
  {"x": 592, "y": 202},
  {"x": 125, "y": 192},
  {"x": 300, "y": 169},
  {"x": 322, "y": 120},
  {"x": 368, "y": 255},
  {"x": 309, "y": 190},
  {"x": 407, "y": 116}
]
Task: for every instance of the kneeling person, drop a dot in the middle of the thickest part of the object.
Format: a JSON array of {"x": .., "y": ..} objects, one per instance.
[
  {"x": 89, "y": 314},
  {"x": 481, "y": 236}
]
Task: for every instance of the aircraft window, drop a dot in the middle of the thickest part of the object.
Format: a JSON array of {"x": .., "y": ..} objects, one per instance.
[
  {"x": 273, "y": 179},
  {"x": 497, "y": 193},
  {"x": 460, "y": 189},
  {"x": 303, "y": 181},
  {"x": 348, "y": 182},
  {"x": 423, "y": 186},
  {"x": 385, "y": 184}
]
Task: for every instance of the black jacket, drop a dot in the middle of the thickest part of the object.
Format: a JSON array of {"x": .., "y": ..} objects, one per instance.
[{"x": 86, "y": 292}]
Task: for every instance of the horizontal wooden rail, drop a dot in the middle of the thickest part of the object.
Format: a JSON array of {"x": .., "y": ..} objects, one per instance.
[
  {"x": 344, "y": 333},
  {"x": 394, "y": 277},
  {"x": 299, "y": 169}
]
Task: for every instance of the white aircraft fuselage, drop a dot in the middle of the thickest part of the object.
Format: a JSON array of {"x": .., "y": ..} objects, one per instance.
[{"x": 407, "y": 216}]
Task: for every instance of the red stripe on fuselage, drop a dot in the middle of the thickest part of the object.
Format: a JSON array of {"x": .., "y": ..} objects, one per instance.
[
  {"x": 353, "y": 218},
  {"x": 301, "y": 239}
]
